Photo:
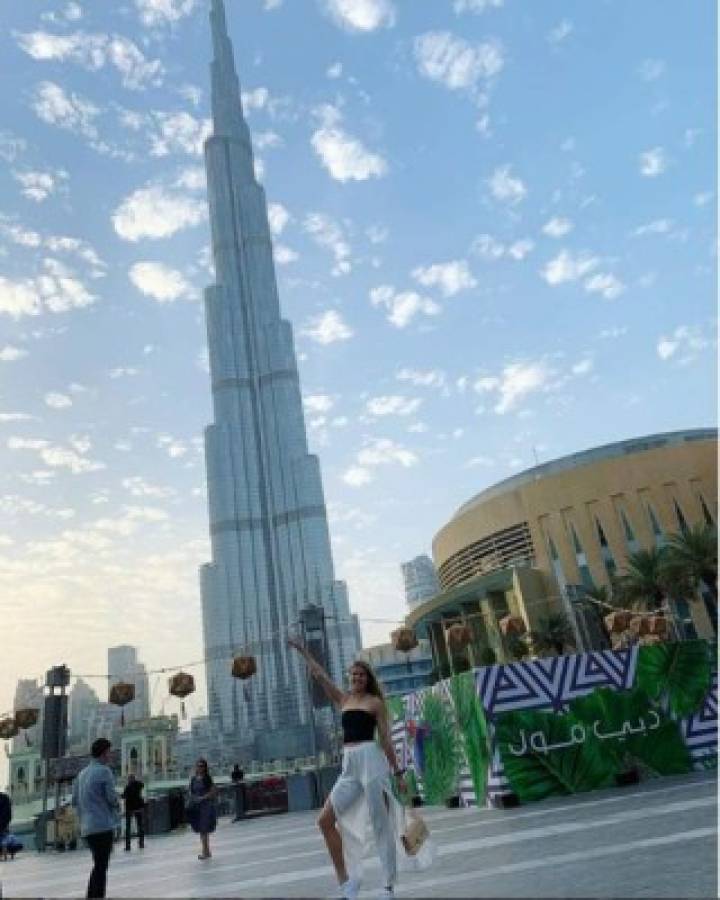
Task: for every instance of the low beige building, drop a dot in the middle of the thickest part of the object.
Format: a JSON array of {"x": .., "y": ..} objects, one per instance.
[{"x": 534, "y": 543}]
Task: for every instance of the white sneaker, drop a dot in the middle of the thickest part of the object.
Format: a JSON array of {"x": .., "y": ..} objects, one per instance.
[{"x": 350, "y": 889}]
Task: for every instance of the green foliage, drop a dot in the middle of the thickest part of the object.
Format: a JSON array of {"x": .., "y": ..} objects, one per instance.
[
  {"x": 680, "y": 669},
  {"x": 442, "y": 758},
  {"x": 487, "y": 657},
  {"x": 553, "y": 635},
  {"x": 660, "y": 749},
  {"x": 473, "y": 730},
  {"x": 536, "y": 775}
]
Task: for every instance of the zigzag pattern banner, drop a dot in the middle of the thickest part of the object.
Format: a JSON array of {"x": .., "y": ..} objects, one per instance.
[
  {"x": 551, "y": 682},
  {"x": 701, "y": 730}
]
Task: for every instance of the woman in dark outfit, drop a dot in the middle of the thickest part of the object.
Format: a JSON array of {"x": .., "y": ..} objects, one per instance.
[{"x": 201, "y": 813}]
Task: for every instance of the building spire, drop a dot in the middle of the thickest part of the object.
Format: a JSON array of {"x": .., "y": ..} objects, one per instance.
[{"x": 226, "y": 105}]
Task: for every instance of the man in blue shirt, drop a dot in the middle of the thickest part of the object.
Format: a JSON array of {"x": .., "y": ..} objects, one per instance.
[{"x": 98, "y": 807}]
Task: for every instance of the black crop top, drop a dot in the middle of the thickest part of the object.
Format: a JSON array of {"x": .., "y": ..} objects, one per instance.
[{"x": 358, "y": 725}]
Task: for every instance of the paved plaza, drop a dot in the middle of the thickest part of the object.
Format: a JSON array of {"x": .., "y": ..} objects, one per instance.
[{"x": 656, "y": 840}]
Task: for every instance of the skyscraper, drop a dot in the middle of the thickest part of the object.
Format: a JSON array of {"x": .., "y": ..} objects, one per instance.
[
  {"x": 268, "y": 523},
  {"x": 421, "y": 580}
]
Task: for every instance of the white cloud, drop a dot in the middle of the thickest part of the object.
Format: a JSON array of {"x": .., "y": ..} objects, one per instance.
[
  {"x": 516, "y": 382},
  {"x": 651, "y": 69},
  {"x": 557, "y": 227},
  {"x": 123, "y": 372},
  {"x": 657, "y": 226},
  {"x": 284, "y": 255},
  {"x": 38, "y": 186},
  {"x": 561, "y": 31},
  {"x": 476, "y": 6},
  {"x": 65, "y": 110},
  {"x": 451, "y": 277},
  {"x": 489, "y": 248},
  {"x": 278, "y": 218},
  {"x": 316, "y": 404},
  {"x": 653, "y": 162},
  {"x": 11, "y": 147},
  {"x": 393, "y": 405},
  {"x": 703, "y": 198},
  {"x": 56, "y": 457},
  {"x": 404, "y": 306},
  {"x": 57, "y": 401},
  {"x": 19, "y": 235},
  {"x": 139, "y": 487},
  {"x": 161, "y": 12},
  {"x": 584, "y": 367},
  {"x": 335, "y": 70},
  {"x": 177, "y": 132},
  {"x": 565, "y": 267},
  {"x": 684, "y": 344},
  {"x": 431, "y": 378},
  {"x": 617, "y": 331},
  {"x": 153, "y": 212},
  {"x": 345, "y": 157},
  {"x": 385, "y": 452},
  {"x": 57, "y": 289},
  {"x": 605, "y": 284},
  {"x": 505, "y": 187},
  {"x": 455, "y": 63},
  {"x": 357, "y": 476},
  {"x": 10, "y": 354},
  {"x": 328, "y": 328},
  {"x": 327, "y": 232},
  {"x": 158, "y": 281},
  {"x": 361, "y": 15},
  {"x": 94, "y": 52},
  {"x": 258, "y": 98}
]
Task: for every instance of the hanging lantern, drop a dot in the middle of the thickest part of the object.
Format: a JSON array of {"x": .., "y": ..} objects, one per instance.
[
  {"x": 8, "y": 728},
  {"x": 403, "y": 639},
  {"x": 658, "y": 626},
  {"x": 180, "y": 685},
  {"x": 512, "y": 625},
  {"x": 617, "y": 622},
  {"x": 25, "y": 719},
  {"x": 649, "y": 639},
  {"x": 458, "y": 636},
  {"x": 640, "y": 625},
  {"x": 244, "y": 667},
  {"x": 121, "y": 694}
]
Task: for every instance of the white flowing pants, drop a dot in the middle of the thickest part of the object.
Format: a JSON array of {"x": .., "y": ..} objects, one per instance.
[{"x": 363, "y": 795}]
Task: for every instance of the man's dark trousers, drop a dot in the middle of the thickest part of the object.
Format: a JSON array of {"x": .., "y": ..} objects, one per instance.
[
  {"x": 100, "y": 845},
  {"x": 140, "y": 825}
]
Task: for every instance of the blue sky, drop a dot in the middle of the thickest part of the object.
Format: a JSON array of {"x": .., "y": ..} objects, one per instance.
[{"x": 495, "y": 235}]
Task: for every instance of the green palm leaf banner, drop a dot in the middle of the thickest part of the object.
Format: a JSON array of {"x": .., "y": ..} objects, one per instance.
[
  {"x": 542, "y": 771},
  {"x": 473, "y": 729},
  {"x": 441, "y": 751},
  {"x": 681, "y": 670},
  {"x": 635, "y": 732}
]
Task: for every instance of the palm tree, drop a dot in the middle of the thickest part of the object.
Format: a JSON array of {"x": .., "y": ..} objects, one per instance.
[
  {"x": 692, "y": 557},
  {"x": 646, "y": 580},
  {"x": 554, "y": 634}
]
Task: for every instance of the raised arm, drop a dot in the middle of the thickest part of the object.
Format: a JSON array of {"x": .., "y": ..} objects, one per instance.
[{"x": 334, "y": 693}]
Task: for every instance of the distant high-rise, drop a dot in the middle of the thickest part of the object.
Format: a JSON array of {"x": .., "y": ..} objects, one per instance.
[
  {"x": 123, "y": 665},
  {"x": 83, "y": 702},
  {"x": 421, "y": 580},
  {"x": 268, "y": 523}
]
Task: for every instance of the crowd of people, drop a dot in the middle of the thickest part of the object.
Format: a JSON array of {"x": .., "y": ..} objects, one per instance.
[{"x": 367, "y": 790}]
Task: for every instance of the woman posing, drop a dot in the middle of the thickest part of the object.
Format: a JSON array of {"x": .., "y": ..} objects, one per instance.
[
  {"x": 363, "y": 788},
  {"x": 201, "y": 813}
]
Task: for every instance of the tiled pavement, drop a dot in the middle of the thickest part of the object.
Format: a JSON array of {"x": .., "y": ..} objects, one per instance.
[{"x": 657, "y": 840}]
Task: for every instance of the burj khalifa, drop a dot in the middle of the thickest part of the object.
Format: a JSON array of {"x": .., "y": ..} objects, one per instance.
[{"x": 270, "y": 542}]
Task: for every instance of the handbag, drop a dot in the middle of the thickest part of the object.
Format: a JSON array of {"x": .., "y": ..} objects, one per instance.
[{"x": 414, "y": 834}]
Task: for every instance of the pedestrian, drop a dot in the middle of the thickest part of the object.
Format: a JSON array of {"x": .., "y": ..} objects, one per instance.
[
  {"x": 98, "y": 806},
  {"x": 5, "y": 820},
  {"x": 364, "y": 787},
  {"x": 237, "y": 776},
  {"x": 201, "y": 812},
  {"x": 134, "y": 809}
]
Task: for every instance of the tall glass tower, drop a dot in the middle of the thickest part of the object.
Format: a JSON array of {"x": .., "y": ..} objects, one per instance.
[{"x": 271, "y": 551}]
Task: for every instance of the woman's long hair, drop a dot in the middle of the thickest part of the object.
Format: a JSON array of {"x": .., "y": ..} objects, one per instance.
[
  {"x": 206, "y": 778},
  {"x": 373, "y": 685}
]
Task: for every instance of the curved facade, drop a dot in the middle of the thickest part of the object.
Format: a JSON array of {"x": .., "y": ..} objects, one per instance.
[{"x": 528, "y": 544}]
